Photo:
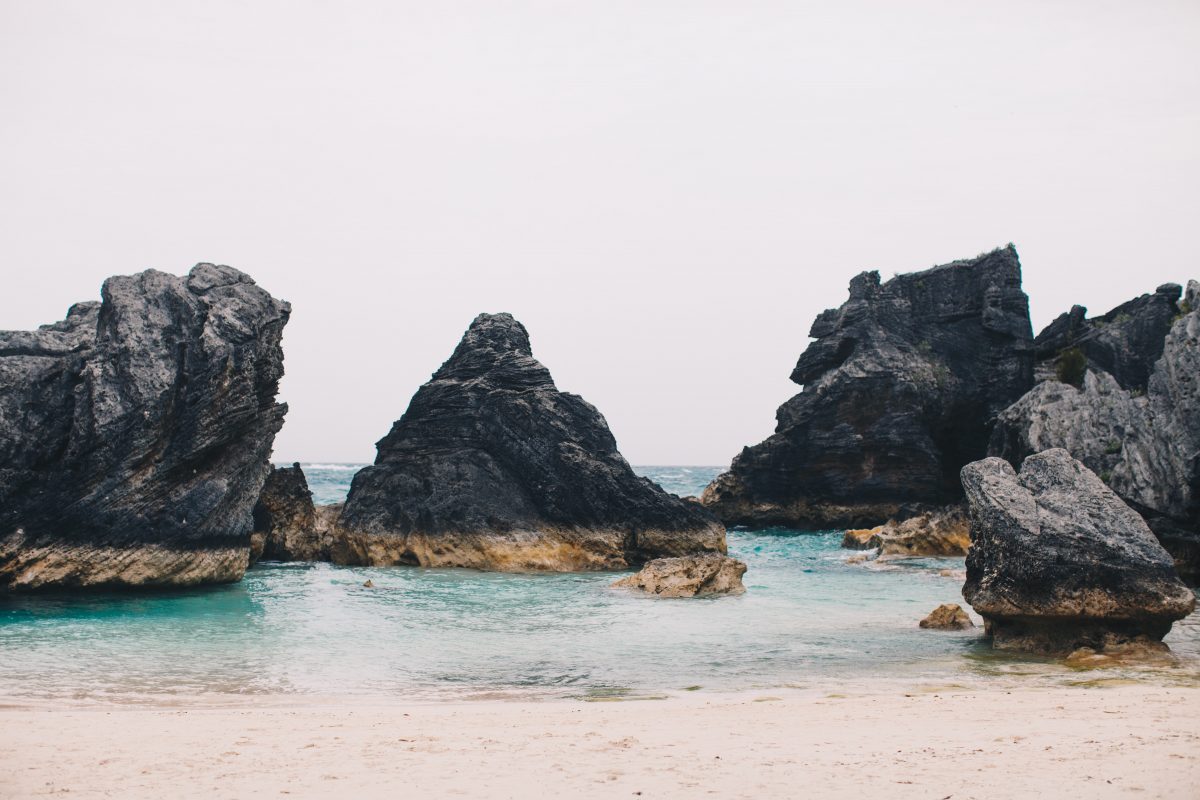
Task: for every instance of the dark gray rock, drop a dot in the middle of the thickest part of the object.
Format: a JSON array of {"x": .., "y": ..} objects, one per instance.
[
  {"x": 135, "y": 435},
  {"x": 1144, "y": 444},
  {"x": 492, "y": 467},
  {"x": 1059, "y": 562},
  {"x": 1125, "y": 343},
  {"x": 287, "y": 521},
  {"x": 900, "y": 390}
]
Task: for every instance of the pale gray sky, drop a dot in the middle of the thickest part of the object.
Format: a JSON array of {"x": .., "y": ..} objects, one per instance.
[{"x": 664, "y": 193}]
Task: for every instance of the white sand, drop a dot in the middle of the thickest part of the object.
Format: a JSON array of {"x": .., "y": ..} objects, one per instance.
[{"x": 1136, "y": 740}]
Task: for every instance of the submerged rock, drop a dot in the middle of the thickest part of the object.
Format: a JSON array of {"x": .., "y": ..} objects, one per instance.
[
  {"x": 688, "y": 576},
  {"x": 493, "y": 467},
  {"x": 1144, "y": 444},
  {"x": 1116, "y": 652},
  {"x": 947, "y": 617},
  {"x": 135, "y": 434},
  {"x": 900, "y": 388},
  {"x": 1059, "y": 562}
]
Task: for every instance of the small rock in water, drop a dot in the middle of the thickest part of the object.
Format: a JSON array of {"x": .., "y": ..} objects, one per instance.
[
  {"x": 944, "y": 533},
  {"x": 369, "y": 584},
  {"x": 688, "y": 576},
  {"x": 860, "y": 538},
  {"x": 948, "y": 617}
]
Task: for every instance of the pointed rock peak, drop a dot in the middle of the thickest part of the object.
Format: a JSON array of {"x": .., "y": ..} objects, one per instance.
[{"x": 497, "y": 346}]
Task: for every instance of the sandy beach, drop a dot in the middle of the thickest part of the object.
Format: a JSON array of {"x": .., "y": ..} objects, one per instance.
[{"x": 1131, "y": 740}]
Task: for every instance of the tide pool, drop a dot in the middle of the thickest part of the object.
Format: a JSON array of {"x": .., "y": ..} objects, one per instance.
[{"x": 808, "y": 620}]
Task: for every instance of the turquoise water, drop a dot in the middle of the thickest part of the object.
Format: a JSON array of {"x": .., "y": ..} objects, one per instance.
[{"x": 808, "y": 620}]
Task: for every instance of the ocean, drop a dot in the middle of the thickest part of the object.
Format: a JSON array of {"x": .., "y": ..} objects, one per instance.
[{"x": 808, "y": 620}]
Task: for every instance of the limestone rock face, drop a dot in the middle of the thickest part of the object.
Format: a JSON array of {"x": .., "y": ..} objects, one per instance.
[
  {"x": 493, "y": 467},
  {"x": 1059, "y": 562},
  {"x": 900, "y": 389},
  {"x": 292, "y": 528},
  {"x": 947, "y": 617},
  {"x": 688, "y": 576},
  {"x": 135, "y": 435},
  {"x": 1144, "y": 444}
]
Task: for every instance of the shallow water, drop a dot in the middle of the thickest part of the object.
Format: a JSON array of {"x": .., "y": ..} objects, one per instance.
[{"x": 808, "y": 620}]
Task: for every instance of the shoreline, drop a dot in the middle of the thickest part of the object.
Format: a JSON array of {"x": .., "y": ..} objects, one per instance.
[{"x": 1006, "y": 741}]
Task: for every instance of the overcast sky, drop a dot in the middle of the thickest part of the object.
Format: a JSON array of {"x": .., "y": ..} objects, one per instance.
[{"x": 664, "y": 193}]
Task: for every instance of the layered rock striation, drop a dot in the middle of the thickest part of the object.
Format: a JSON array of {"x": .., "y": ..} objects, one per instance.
[
  {"x": 493, "y": 467},
  {"x": 1143, "y": 439},
  {"x": 135, "y": 435},
  {"x": 900, "y": 390},
  {"x": 1058, "y": 562}
]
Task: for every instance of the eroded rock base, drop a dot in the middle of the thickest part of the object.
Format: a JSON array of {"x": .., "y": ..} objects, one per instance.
[
  {"x": 30, "y": 566},
  {"x": 545, "y": 550}
]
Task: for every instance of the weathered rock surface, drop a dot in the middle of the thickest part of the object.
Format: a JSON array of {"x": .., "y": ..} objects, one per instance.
[
  {"x": 1059, "y": 562},
  {"x": 135, "y": 435},
  {"x": 933, "y": 533},
  {"x": 688, "y": 576},
  {"x": 860, "y": 538},
  {"x": 1145, "y": 445},
  {"x": 1125, "y": 343},
  {"x": 493, "y": 467},
  {"x": 900, "y": 390},
  {"x": 947, "y": 617},
  {"x": 291, "y": 527}
]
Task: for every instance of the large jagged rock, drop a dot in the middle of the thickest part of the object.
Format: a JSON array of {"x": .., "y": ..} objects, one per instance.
[
  {"x": 492, "y": 467},
  {"x": 1144, "y": 444},
  {"x": 1125, "y": 343},
  {"x": 290, "y": 527},
  {"x": 900, "y": 389},
  {"x": 1059, "y": 562},
  {"x": 135, "y": 435},
  {"x": 688, "y": 576}
]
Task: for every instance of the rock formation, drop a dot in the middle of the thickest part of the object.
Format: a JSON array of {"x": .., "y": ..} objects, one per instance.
[
  {"x": 1143, "y": 439},
  {"x": 287, "y": 523},
  {"x": 900, "y": 389},
  {"x": 688, "y": 576},
  {"x": 1059, "y": 562},
  {"x": 947, "y": 617},
  {"x": 1125, "y": 343},
  {"x": 493, "y": 467},
  {"x": 135, "y": 434},
  {"x": 938, "y": 533}
]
